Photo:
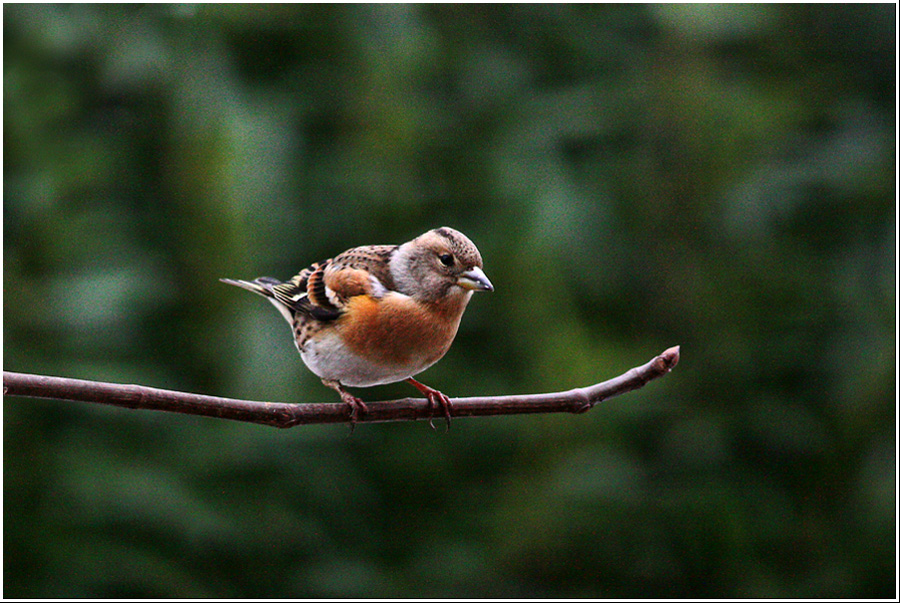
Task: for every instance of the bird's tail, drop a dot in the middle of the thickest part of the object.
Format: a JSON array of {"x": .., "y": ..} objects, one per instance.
[{"x": 261, "y": 286}]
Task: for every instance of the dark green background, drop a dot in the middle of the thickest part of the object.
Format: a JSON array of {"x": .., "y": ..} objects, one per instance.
[{"x": 719, "y": 177}]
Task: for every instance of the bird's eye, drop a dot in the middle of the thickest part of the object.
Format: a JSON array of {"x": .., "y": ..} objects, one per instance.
[{"x": 446, "y": 259}]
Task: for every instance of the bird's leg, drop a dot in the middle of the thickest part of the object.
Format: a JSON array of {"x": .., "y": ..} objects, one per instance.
[
  {"x": 435, "y": 398},
  {"x": 356, "y": 405}
]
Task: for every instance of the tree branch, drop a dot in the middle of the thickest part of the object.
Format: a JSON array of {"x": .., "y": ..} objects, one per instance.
[{"x": 288, "y": 415}]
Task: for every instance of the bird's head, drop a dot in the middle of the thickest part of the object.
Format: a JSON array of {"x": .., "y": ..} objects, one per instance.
[{"x": 442, "y": 263}]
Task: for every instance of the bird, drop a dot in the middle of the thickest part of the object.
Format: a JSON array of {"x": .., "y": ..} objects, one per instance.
[{"x": 379, "y": 314}]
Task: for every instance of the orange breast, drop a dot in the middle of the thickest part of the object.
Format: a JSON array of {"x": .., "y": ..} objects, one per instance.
[{"x": 398, "y": 330}]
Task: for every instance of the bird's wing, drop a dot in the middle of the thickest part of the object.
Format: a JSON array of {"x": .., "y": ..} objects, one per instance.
[{"x": 323, "y": 289}]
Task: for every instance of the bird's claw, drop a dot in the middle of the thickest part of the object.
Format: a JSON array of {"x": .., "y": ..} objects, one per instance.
[
  {"x": 357, "y": 408},
  {"x": 435, "y": 398}
]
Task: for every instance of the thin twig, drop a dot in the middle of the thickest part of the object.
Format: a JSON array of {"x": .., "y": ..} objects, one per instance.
[{"x": 288, "y": 415}]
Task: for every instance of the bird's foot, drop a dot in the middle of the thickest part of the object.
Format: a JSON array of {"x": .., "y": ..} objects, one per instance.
[
  {"x": 435, "y": 399},
  {"x": 357, "y": 406}
]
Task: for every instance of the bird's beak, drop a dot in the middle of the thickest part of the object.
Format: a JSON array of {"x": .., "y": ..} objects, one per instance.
[{"x": 475, "y": 280}]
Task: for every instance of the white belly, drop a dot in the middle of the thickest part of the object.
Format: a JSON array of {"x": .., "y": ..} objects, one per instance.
[{"x": 330, "y": 360}]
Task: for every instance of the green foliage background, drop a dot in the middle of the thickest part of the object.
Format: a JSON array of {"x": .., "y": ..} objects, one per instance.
[{"x": 719, "y": 177}]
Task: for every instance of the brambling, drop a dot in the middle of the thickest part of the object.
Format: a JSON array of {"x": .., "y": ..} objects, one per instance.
[{"x": 379, "y": 314}]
